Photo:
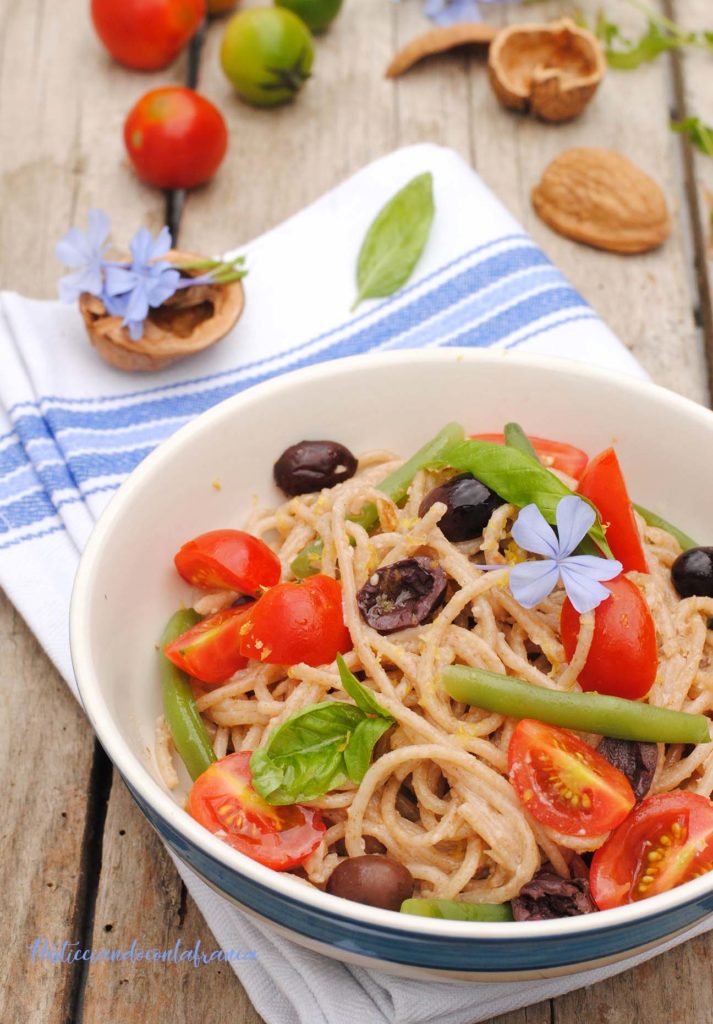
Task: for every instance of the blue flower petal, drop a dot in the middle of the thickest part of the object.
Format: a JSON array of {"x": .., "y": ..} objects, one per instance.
[
  {"x": 532, "y": 533},
  {"x": 119, "y": 280},
  {"x": 593, "y": 568},
  {"x": 98, "y": 230},
  {"x": 449, "y": 12},
  {"x": 532, "y": 582},
  {"x": 585, "y": 593},
  {"x": 575, "y": 519}
]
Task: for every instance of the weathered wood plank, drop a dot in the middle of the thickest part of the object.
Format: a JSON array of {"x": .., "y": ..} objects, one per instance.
[
  {"x": 141, "y": 899},
  {"x": 694, "y": 95},
  {"x": 46, "y": 749},
  {"x": 648, "y": 300}
]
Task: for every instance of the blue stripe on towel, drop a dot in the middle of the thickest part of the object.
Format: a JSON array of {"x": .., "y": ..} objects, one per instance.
[{"x": 500, "y": 293}]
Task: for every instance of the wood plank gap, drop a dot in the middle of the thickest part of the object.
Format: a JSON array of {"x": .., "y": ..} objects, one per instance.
[
  {"x": 704, "y": 313},
  {"x": 100, "y": 782}
]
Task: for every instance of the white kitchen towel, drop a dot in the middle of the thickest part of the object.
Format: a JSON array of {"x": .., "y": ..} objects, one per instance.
[{"x": 72, "y": 428}]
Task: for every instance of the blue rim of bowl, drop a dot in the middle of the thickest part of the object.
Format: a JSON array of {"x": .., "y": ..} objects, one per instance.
[{"x": 151, "y": 795}]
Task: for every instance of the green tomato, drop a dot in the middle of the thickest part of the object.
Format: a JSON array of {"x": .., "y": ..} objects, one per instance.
[
  {"x": 317, "y": 15},
  {"x": 267, "y": 54}
]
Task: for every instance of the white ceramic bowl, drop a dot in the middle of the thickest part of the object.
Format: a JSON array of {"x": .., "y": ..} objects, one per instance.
[{"x": 127, "y": 588}]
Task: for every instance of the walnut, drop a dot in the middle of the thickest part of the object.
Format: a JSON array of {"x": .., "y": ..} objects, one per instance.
[
  {"x": 551, "y": 70},
  {"x": 191, "y": 320},
  {"x": 600, "y": 197}
]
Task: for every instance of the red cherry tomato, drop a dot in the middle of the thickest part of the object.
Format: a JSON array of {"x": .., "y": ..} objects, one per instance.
[
  {"x": 210, "y": 650},
  {"x": 623, "y": 658},
  {"x": 564, "y": 783},
  {"x": 223, "y": 801},
  {"x": 603, "y": 483},
  {"x": 146, "y": 34},
  {"x": 228, "y": 560},
  {"x": 296, "y": 622},
  {"x": 175, "y": 138},
  {"x": 553, "y": 454},
  {"x": 666, "y": 841}
]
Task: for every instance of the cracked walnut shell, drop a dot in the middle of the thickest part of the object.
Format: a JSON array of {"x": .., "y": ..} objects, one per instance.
[
  {"x": 551, "y": 70},
  {"x": 600, "y": 197},
  {"x": 191, "y": 320}
]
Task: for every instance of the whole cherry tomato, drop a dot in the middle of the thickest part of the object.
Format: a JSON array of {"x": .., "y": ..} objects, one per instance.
[
  {"x": 296, "y": 622},
  {"x": 317, "y": 15},
  {"x": 146, "y": 34},
  {"x": 665, "y": 841},
  {"x": 564, "y": 783},
  {"x": 223, "y": 801},
  {"x": 267, "y": 54},
  {"x": 623, "y": 657},
  {"x": 175, "y": 138},
  {"x": 210, "y": 650},
  {"x": 603, "y": 483},
  {"x": 553, "y": 454},
  {"x": 228, "y": 560}
]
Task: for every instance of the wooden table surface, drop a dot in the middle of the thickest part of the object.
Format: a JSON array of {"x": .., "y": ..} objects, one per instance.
[{"x": 77, "y": 860}]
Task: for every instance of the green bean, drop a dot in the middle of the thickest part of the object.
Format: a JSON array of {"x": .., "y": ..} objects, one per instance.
[
  {"x": 455, "y": 910},
  {"x": 515, "y": 437},
  {"x": 652, "y": 519},
  {"x": 395, "y": 486},
  {"x": 586, "y": 712},
  {"x": 179, "y": 708}
]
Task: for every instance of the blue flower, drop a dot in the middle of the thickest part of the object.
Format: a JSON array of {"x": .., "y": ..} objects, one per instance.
[
  {"x": 531, "y": 582},
  {"x": 83, "y": 251},
  {"x": 130, "y": 291},
  {"x": 449, "y": 12}
]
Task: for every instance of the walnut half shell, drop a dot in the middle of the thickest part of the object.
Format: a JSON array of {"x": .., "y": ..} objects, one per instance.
[
  {"x": 551, "y": 70},
  {"x": 190, "y": 321}
]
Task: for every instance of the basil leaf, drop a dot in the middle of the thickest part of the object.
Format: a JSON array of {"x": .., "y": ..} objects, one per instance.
[
  {"x": 361, "y": 695},
  {"x": 698, "y": 134},
  {"x": 304, "y": 757},
  {"x": 515, "y": 437},
  {"x": 661, "y": 35},
  {"x": 320, "y": 747},
  {"x": 394, "y": 242},
  {"x": 357, "y": 756},
  {"x": 516, "y": 477}
]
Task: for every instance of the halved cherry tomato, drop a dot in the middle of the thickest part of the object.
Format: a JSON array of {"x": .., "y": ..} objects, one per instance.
[
  {"x": 603, "y": 483},
  {"x": 553, "y": 454},
  {"x": 623, "y": 658},
  {"x": 229, "y": 559},
  {"x": 223, "y": 801},
  {"x": 296, "y": 622},
  {"x": 666, "y": 841},
  {"x": 564, "y": 783},
  {"x": 210, "y": 650}
]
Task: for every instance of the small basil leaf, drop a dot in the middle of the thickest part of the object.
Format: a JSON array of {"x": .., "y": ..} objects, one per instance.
[
  {"x": 698, "y": 134},
  {"x": 304, "y": 757},
  {"x": 515, "y": 437},
  {"x": 361, "y": 695},
  {"x": 357, "y": 756},
  {"x": 394, "y": 242},
  {"x": 516, "y": 477}
]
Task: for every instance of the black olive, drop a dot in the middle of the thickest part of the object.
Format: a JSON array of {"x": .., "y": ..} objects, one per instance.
[
  {"x": 548, "y": 896},
  {"x": 372, "y": 879},
  {"x": 636, "y": 760},
  {"x": 692, "y": 573},
  {"x": 311, "y": 465},
  {"x": 470, "y": 505},
  {"x": 402, "y": 594}
]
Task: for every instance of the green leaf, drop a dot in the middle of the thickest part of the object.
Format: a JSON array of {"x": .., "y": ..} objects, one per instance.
[
  {"x": 516, "y": 477},
  {"x": 698, "y": 134},
  {"x": 661, "y": 35},
  {"x": 320, "y": 747},
  {"x": 304, "y": 757},
  {"x": 394, "y": 242},
  {"x": 515, "y": 437},
  {"x": 357, "y": 756},
  {"x": 361, "y": 695}
]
